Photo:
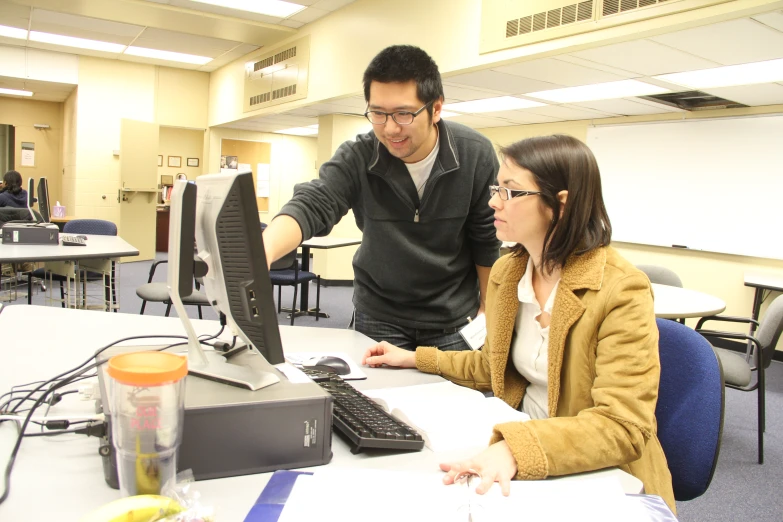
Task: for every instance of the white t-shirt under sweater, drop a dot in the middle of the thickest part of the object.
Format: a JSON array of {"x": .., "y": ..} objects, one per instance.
[
  {"x": 530, "y": 344},
  {"x": 420, "y": 171}
]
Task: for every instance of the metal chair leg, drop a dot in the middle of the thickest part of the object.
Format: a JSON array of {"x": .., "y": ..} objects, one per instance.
[
  {"x": 293, "y": 306},
  {"x": 29, "y": 288},
  {"x": 199, "y": 313},
  {"x": 317, "y": 296},
  {"x": 62, "y": 294},
  {"x": 143, "y": 304},
  {"x": 279, "y": 294},
  {"x": 168, "y": 309}
]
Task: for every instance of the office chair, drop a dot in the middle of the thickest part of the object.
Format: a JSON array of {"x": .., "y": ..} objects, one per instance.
[
  {"x": 740, "y": 368},
  {"x": 98, "y": 227},
  {"x": 661, "y": 275},
  {"x": 287, "y": 272},
  {"x": 690, "y": 408},
  {"x": 159, "y": 293}
]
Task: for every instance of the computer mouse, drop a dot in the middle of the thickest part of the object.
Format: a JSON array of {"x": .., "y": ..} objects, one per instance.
[{"x": 339, "y": 366}]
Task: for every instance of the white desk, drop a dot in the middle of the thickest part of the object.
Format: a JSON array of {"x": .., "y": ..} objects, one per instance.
[
  {"x": 98, "y": 254},
  {"x": 672, "y": 302},
  {"x": 61, "y": 478}
]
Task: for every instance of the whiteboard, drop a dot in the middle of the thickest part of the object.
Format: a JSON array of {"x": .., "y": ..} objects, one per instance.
[{"x": 714, "y": 185}]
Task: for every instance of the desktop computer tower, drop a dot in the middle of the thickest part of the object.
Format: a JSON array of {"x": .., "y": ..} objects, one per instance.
[
  {"x": 230, "y": 431},
  {"x": 30, "y": 234}
]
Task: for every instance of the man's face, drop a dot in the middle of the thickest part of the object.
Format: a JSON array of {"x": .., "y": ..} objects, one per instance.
[{"x": 410, "y": 143}]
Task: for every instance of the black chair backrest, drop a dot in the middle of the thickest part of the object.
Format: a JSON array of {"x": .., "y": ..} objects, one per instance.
[
  {"x": 287, "y": 262},
  {"x": 690, "y": 407},
  {"x": 99, "y": 227}
]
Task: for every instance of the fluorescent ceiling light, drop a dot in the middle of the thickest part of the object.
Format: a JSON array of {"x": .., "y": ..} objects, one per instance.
[
  {"x": 71, "y": 41},
  {"x": 501, "y": 103},
  {"x": 447, "y": 114},
  {"x": 598, "y": 91},
  {"x": 743, "y": 74},
  {"x": 15, "y": 92},
  {"x": 13, "y": 32},
  {"x": 167, "y": 55},
  {"x": 264, "y": 7},
  {"x": 300, "y": 131}
]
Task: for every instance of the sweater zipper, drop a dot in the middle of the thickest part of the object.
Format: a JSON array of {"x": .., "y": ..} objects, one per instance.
[{"x": 416, "y": 216}]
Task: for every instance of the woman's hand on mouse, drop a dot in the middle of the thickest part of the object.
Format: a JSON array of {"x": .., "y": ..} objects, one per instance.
[{"x": 390, "y": 355}]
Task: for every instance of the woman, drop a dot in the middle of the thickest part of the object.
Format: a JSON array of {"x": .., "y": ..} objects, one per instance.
[
  {"x": 571, "y": 334},
  {"x": 12, "y": 194}
]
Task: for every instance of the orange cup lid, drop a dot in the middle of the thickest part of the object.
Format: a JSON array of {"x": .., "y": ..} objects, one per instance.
[{"x": 147, "y": 368}]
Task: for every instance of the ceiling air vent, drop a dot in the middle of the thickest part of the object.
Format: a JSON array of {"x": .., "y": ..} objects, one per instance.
[
  {"x": 612, "y": 7},
  {"x": 565, "y": 15},
  {"x": 277, "y": 76},
  {"x": 693, "y": 101}
]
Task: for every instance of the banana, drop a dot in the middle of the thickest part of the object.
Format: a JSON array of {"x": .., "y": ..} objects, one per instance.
[{"x": 139, "y": 508}]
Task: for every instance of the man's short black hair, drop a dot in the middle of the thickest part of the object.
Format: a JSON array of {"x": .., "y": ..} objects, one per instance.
[{"x": 403, "y": 63}]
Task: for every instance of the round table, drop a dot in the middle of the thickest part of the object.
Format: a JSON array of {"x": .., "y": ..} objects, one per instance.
[{"x": 672, "y": 302}]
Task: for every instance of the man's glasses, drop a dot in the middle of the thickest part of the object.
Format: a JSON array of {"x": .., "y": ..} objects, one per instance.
[
  {"x": 507, "y": 193},
  {"x": 399, "y": 117}
]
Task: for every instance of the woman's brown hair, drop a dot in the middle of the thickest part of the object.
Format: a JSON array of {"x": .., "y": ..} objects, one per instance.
[{"x": 560, "y": 162}]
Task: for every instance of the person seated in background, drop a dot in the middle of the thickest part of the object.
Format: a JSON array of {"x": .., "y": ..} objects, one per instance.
[
  {"x": 11, "y": 193},
  {"x": 571, "y": 333}
]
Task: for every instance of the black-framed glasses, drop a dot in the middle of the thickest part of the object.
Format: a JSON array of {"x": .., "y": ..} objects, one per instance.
[
  {"x": 399, "y": 117},
  {"x": 507, "y": 193}
]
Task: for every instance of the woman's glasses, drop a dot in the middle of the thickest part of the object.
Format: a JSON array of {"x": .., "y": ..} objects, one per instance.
[{"x": 507, "y": 193}]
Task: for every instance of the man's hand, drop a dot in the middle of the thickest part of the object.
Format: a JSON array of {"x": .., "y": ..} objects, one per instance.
[
  {"x": 390, "y": 355},
  {"x": 494, "y": 464}
]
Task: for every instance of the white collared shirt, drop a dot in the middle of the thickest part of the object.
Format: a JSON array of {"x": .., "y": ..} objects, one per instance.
[{"x": 530, "y": 344}]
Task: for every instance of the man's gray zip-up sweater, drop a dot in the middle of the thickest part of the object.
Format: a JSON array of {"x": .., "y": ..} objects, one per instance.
[{"x": 416, "y": 264}]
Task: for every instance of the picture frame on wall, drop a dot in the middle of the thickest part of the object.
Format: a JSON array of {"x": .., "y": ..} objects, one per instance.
[
  {"x": 175, "y": 161},
  {"x": 192, "y": 162},
  {"x": 160, "y": 160}
]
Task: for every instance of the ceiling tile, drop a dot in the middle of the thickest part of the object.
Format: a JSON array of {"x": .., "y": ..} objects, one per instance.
[
  {"x": 568, "y": 113},
  {"x": 293, "y": 24},
  {"x": 623, "y": 106},
  {"x": 354, "y": 102},
  {"x": 43, "y": 91},
  {"x": 83, "y": 27},
  {"x": 308, "y": 15},
  {"x": 225, "y": 11},
  {"x": 457, "y": 93},
  {"x": 303, "y": 111},
  {"x": 559, "y": 72},
  {"x": 331, "y": 5},
  {"x": 753, "y": 95},
  {"x": 14, "y": 15},
  {"x": 480, "y": 122},
  {"x": 728, "y": 43},
  {"x": 164, "y": 40},
  {"x": 645, "y": 57},
  {"x": 505, "y": 83},
  {"x": 773, "y": 19},
  {"x": 155, "y": 61},
  {"x": 521, "y": 117}
]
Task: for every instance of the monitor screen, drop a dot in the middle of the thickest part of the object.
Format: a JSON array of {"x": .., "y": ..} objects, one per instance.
[
  {"x": 220, "y": 211},
  {"x": 43, "y": 200},
  {"x": 31, "y": 199}
]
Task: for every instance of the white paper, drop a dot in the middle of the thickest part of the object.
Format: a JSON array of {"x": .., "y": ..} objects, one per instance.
[
  {"x": 28, "y": 154},
  {"x": 243, "y": 167},
  {"x": 262, "y": 175},
  {"x": 358, "y": 495},
  {"x": 309, "y": 358},
  {"x": 294, "y": 374},
  {"x": 475, "y": 332}
]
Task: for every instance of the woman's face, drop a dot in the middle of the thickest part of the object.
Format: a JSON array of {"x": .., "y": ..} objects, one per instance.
[{"x": 523, "y": 219}]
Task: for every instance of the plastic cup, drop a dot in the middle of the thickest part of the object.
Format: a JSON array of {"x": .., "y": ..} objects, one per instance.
[{"x": 148, "y": 408}]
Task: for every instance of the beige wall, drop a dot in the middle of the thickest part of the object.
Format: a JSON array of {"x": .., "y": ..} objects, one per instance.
[
  {"x": 716, "y": 274},
  {"x": 293, "y": 161},
  {"x": 68, "y": 197},
  {"x": 185, "y": 143},
  {"x": 22, "y": 114}
]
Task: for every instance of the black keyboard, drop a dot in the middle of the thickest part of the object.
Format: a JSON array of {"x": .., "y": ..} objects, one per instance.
[{"x": 361, "y": 420}]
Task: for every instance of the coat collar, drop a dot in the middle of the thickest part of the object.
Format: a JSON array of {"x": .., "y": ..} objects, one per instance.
[
  {"x": 584, "y": 272},
  {"x": 447, "y": 155}
]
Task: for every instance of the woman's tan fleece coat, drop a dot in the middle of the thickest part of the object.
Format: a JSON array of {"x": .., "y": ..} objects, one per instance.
[{"x": 603, "y": 372}]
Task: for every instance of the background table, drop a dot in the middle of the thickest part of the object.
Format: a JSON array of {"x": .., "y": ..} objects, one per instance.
[
  {"x": 672, "y": 302},
  {"x": 761, "y": 282},
  {"x": 320, "y": 243},
  {"x": 61, "y": 478}
]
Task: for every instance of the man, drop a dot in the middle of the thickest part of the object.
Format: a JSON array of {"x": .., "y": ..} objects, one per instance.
[{"x": 418, "y": 187}]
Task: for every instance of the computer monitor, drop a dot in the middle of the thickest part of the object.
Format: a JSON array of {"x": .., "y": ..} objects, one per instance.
[
  {"x": 31, "y": 198},
  {"x": 220, "y": 212},
  {"x": 43, "y": 200}
]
